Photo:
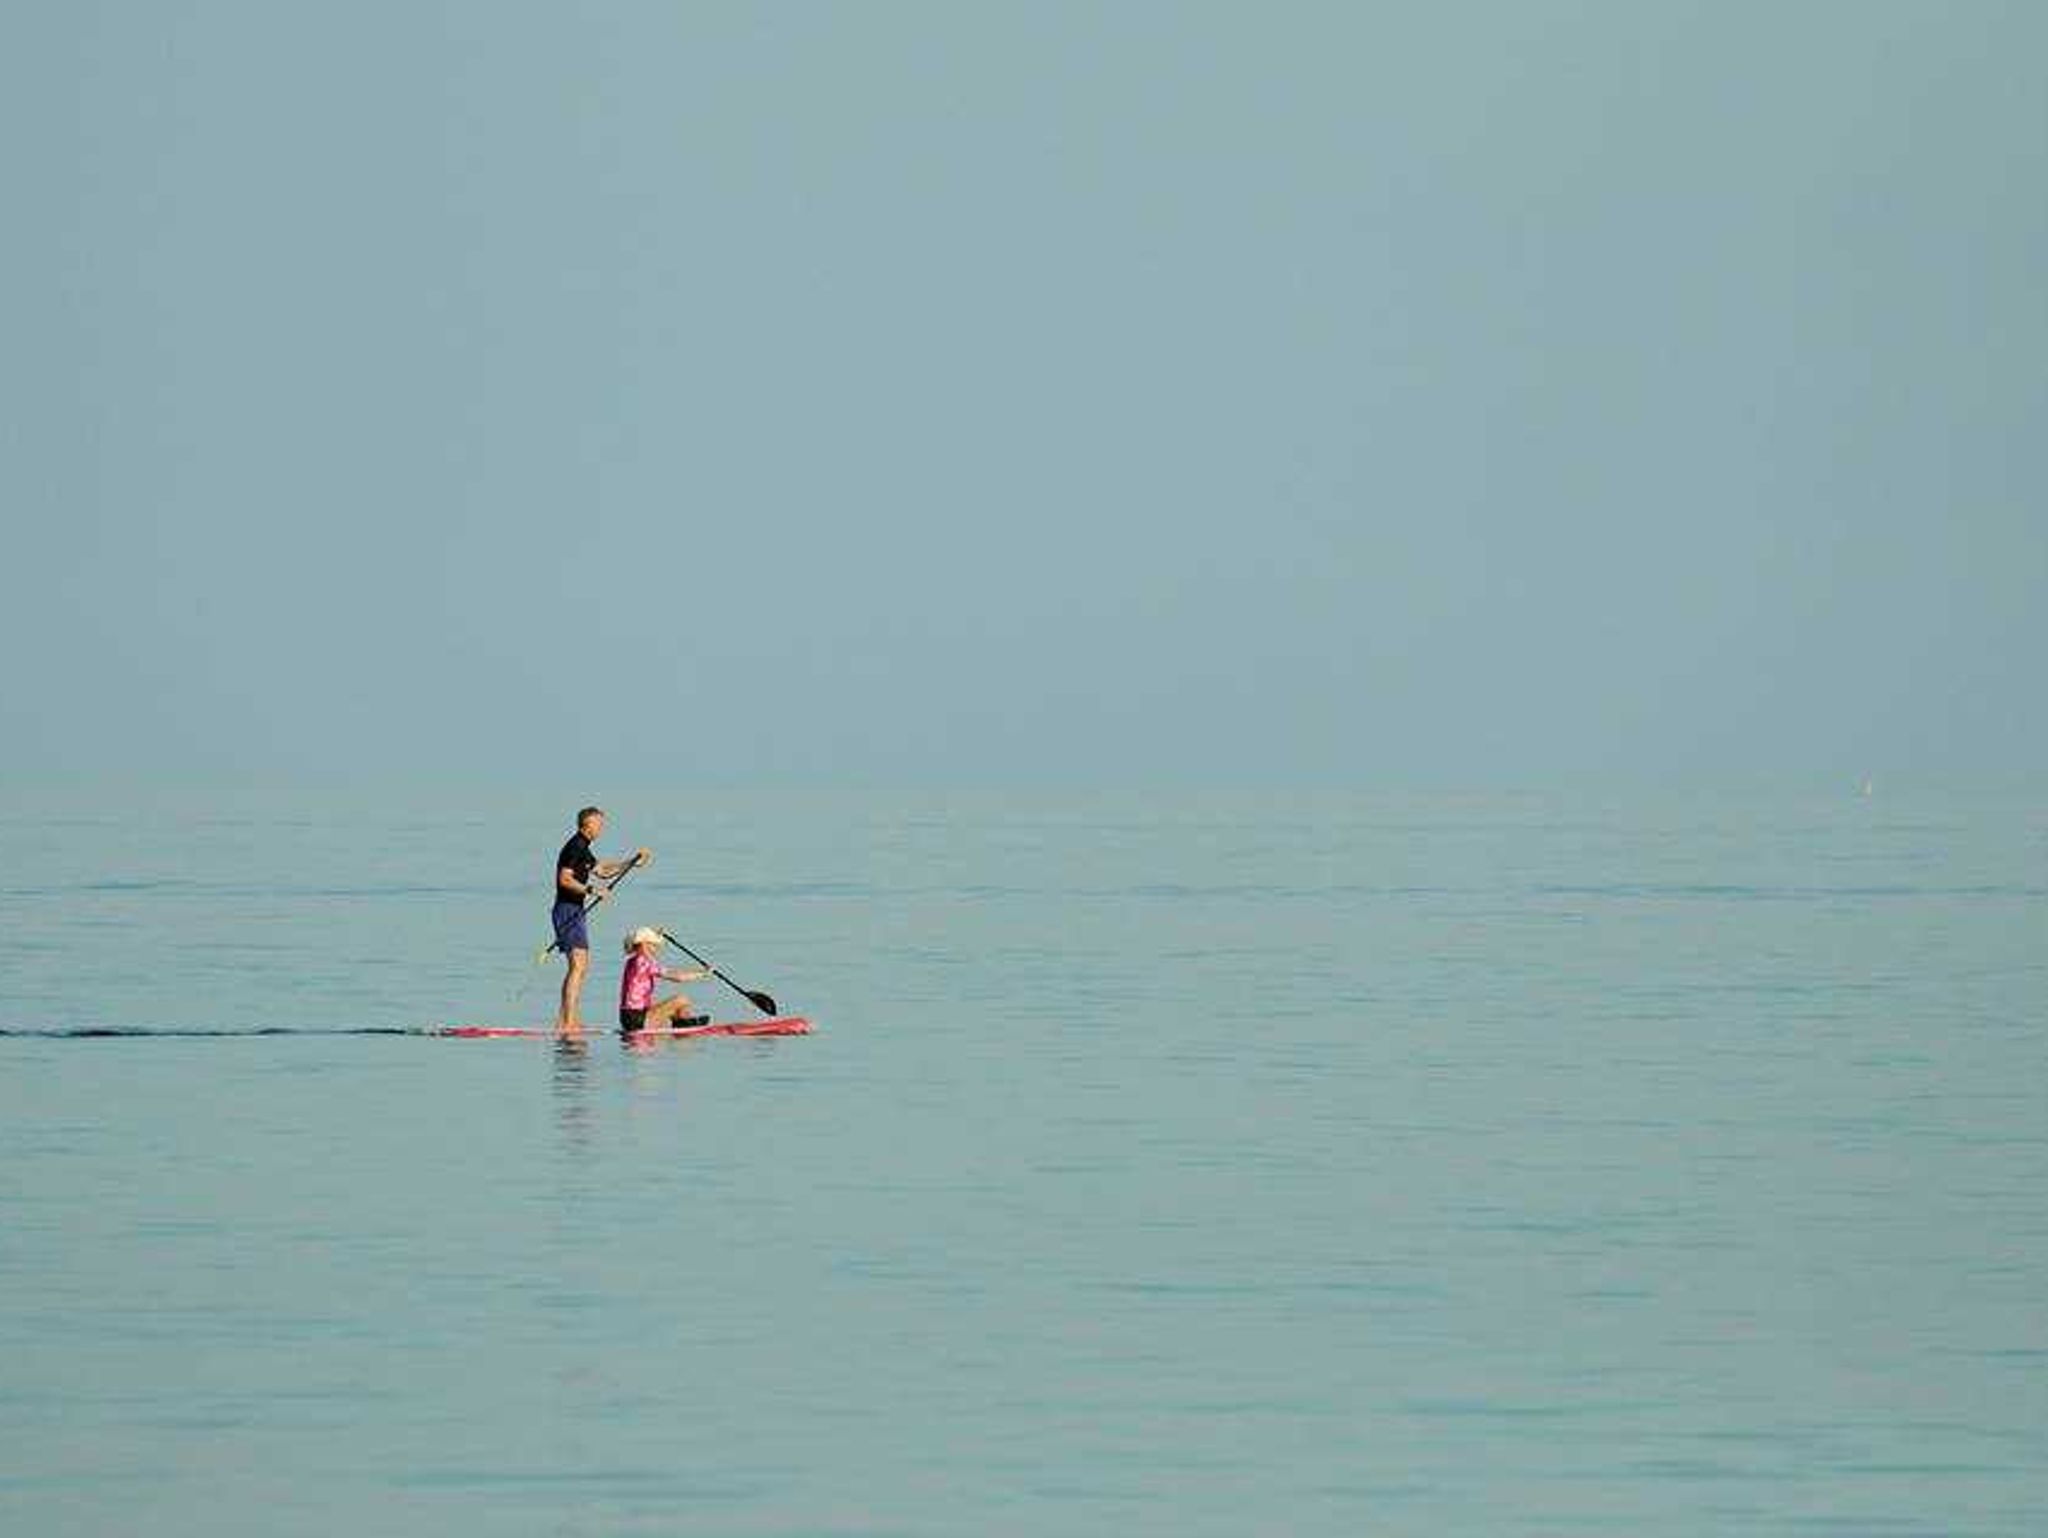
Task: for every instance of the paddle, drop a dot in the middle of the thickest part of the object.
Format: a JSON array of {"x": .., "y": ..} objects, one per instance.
[
  {"x": 591, "y": 907},
  {"x": 760, "y": 1001}
]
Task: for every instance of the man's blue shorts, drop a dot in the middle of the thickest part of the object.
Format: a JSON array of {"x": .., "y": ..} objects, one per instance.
[{"x": 570, "y": 934}]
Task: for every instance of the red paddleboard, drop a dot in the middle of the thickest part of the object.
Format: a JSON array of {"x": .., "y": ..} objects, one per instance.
[{"x": 782, "y": 1025}]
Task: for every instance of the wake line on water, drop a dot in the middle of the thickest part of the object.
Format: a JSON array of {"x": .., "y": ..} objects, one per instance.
[{"x": 130, "y": 1032}]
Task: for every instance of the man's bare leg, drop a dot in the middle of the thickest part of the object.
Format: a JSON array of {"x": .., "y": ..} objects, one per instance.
[{"x": 566, "y": 1020}]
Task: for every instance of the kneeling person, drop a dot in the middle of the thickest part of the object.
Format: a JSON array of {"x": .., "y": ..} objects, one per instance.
[{"x": 639, "y": 1010}]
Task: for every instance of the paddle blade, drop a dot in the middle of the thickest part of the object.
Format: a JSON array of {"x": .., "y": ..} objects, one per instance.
[{"x": 760, "y": 1001}]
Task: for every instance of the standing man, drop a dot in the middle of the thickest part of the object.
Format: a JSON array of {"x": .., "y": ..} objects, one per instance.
[{"x": 577, "y": 872}]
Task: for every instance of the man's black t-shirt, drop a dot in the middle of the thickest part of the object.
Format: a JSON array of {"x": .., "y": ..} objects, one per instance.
[{"x": 577, "y": 859}]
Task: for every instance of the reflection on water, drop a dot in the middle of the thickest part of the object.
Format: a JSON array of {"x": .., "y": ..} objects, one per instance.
[{"x": 571, "y": 1060}]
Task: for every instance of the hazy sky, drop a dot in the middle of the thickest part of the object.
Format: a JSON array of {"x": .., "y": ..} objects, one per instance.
[{"x": 1469, "y": 394}]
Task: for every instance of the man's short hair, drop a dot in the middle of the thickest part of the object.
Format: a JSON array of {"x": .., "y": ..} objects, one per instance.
[{"x": 587, "y": 813}]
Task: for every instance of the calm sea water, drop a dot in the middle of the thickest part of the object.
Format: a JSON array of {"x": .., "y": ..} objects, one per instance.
[{"x": 1227, "y": 1166}]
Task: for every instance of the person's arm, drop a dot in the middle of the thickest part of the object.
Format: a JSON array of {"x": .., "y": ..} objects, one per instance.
[
  {"x": 609, "y": 869},
  {"x": 688, "y": 977},
  {"x": 565, "y": 880}
]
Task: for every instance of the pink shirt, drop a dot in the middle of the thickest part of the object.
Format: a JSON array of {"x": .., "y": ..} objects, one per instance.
[{"x": 636, "y": 987}]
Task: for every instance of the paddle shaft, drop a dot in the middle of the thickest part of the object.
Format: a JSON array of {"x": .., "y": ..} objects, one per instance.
[{"x": 760, "y": 1001}]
